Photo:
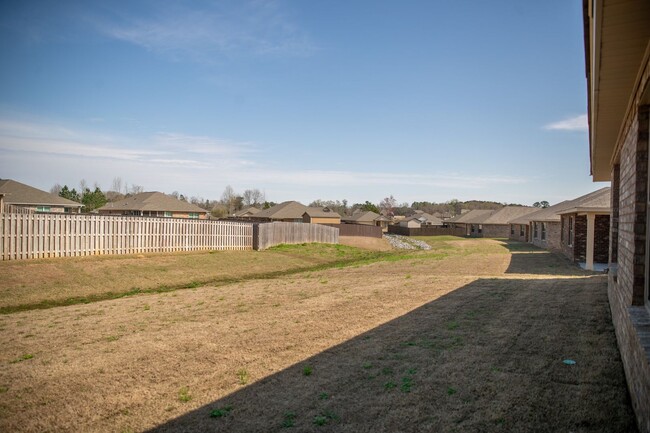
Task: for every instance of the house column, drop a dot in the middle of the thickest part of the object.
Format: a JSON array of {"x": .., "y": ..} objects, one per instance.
[{"x": 591, "y": 224}]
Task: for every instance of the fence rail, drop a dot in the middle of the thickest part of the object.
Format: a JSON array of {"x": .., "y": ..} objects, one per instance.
[
  {"x": 30, "y": 236},
  {"x": 270, "y": 234}
]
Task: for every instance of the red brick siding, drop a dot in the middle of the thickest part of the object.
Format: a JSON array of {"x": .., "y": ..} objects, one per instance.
[
  {"x": 552, "y": 240},
  {"x": 516, "y": 236}
]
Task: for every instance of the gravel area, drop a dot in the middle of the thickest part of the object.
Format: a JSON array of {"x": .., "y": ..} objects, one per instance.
[{"x": 406, "y": 243}]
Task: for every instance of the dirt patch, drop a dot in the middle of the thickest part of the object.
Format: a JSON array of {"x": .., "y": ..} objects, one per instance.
[
  {"x": 375, "y": 244},
  {"x": 416, "y": 345}
]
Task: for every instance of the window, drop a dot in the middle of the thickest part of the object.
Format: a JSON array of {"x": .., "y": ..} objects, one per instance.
[
  {"x": 512, "y": 229},
  {"x": 472, "y": 228},
  {"x": 42, "y": 208},
  {"x": 571, "y": 227},
  {"x": 535, "y": 230},
  {"x": 522, "y": 230},
  {"x": 543, "y": 231},
  {"x": 194, "y": 215},
  {"x": 168, "y": 214},
  {"x": 480, "y": 228}
]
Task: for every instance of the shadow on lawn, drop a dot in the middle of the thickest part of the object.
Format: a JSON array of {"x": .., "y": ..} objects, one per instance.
[
  {"x": 529, "y": 259},
  {"x": 486, "y": 357}
]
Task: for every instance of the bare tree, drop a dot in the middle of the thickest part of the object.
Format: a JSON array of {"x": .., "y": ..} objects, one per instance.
[
  {"x": 117, "y": 184},
  {"x": 387, "y": 205},
  {"x": 56, "y": 189},
  {"x": 253, "y": 197},
  {"x": 228, "y": 198},
  {"x": 136, "y": 189}
]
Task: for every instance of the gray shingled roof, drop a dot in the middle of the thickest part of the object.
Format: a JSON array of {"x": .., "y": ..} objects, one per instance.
[
  {"x": 368, "y": 216},
  {"x": 475, "y": 216},
  {"x": 596, "y": 200},
  {"x": 250, "y": 209},
  {"x": 17, "y": 193},
  {"x": 152, "y": 202},
  {"x": 506, "y": 214},
  {"x": 285, "y": 210}
]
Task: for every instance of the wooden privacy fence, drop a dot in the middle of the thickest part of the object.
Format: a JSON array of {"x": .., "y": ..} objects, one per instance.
[
  {"x": 270, "y": 234},
  {"x": 30, "y": 236},
  {"x": 426, "y": 231},
  {"x": 359, "y": 230}
]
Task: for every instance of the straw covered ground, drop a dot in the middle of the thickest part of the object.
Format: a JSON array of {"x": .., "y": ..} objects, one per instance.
[{"x": 470, "y": 336}]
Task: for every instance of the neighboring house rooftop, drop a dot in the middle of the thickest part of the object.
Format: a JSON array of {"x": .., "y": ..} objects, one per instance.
[
  {"x": 251, "y": 210},
  {"x": 16, "y": 193},
  {"x": 367, "y": 216},
  {"x": 285, "y": 210},
  {"x": 475, "y": 216},
  {"x": 508, "y": 213},
  {"x": 321, "y": 212},
  {"x": 424, "y": 217},
  {"x": 597, "y": 201},
  {"x": 154, "y": 202}
]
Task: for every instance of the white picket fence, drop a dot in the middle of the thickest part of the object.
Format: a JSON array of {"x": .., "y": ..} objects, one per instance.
[{"x": 30, "y": 236}]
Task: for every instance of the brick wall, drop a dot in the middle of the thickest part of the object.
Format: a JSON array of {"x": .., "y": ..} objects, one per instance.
[
  {"x": 601, "y": 239},
  {"x": 496, "y": 230},
  {"x": 552, "y": 239},
  {"x": 517, "y": 235},
  {"x": 626, "y": 288}
]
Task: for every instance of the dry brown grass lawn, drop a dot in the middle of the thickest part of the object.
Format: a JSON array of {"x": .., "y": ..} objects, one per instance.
[{"x": 465, "y": 343}]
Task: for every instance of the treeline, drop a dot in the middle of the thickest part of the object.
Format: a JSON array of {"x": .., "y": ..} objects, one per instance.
[{"x": 232, "y": 201}]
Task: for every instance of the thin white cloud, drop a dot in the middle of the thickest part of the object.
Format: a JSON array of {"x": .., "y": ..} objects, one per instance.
[
  {"x": 180, "y": 32},
  {"x": 577, "y": 123}
]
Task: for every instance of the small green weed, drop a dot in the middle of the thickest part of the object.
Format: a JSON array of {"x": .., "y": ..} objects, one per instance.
[
  {"x": 23, "y": 358},
  {"x": 289, "y": 420},
  {"x": 452, "y": 325},
  {"x": 220, "y": 412},
  {"x": 242, "y": 374},
  {"x": 325, "y": 418},
  {"x": 321, "y": 396},
  {"x": 112, "y": 338},
  {"x": 407, "y": 383},
  {"x": 408, "y": 276},
  {"x": 389, "y": 385},
  {"x": 451, "y": 391},
  {"x": 184, "y": 394},
  {"x": 367, "y": 365},
  {"x": 3, "y": 389},
  {"x": 147, "y": 307},
  {"x": 386, "y": 371},
  {"x": 307, "y": 370}
]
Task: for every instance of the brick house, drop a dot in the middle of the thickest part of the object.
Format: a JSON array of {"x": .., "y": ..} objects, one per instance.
[
  {"x": 490, "y": 223},
  {"x": 288, "y": 211},
  {"x": 24, "y": 198},
  {"x": 617, "y": 48},
  {"x": 368, "y": 218},
  {"x": 584, "y": 228},
  {"x": 153, "y": 204},
  {"x": 564, "y": 228}
]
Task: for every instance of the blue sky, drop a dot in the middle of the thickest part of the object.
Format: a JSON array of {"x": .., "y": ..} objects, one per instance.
[{"x": 357, "y": 100}]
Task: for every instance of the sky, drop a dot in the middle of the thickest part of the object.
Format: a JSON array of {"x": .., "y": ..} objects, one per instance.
[{"x": 424, "y": 100}]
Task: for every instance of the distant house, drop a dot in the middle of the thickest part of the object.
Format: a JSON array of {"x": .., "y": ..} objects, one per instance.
[
  {"x": 541, "y": 228},
  {"x": 153, "y": 204},
  {"x": 585, "y": 228},
  {"x": 419, "y": 220},
  {"x": 288, "y": 211},
  {"x": 563, "y": 227},
  {"x": 489, "y": 223},
  {"x": 368, "y": 218},
  {"x": 321, "y": 215},
  {"x": 247, "y": 212},
  {"x": 21, "y": 197}
]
